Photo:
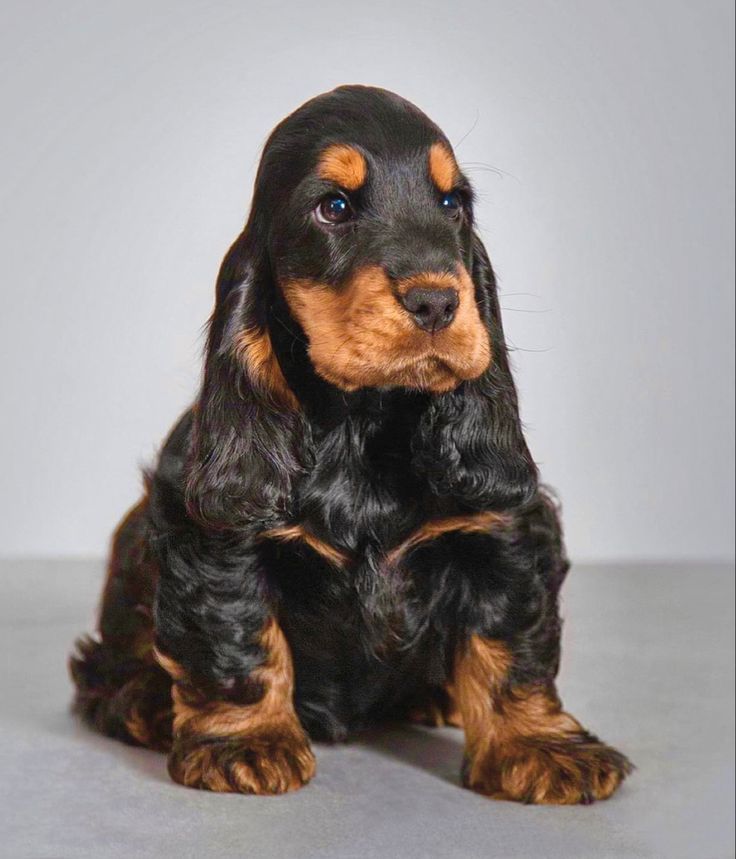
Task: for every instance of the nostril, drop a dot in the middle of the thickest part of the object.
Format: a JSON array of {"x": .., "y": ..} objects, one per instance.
[{"x": 423, "y": 310}]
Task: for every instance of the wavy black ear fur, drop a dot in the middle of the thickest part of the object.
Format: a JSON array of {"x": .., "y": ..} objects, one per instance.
[
  {"x": 248, "y": 433},
  {"x": 470, "y": 444}
]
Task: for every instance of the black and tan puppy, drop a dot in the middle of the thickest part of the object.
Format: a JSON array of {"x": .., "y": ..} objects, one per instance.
[{"x": 347, "y": 525}]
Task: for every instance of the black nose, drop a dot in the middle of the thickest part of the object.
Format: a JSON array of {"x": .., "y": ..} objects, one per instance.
[{"x": 431, "y": 309}]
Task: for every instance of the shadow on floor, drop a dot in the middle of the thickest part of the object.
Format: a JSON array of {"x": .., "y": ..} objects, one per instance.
[{"x": 437, "y": 751}]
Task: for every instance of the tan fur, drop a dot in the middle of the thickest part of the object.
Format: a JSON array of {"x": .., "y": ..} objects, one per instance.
[
  {"x": 520, "y": 744},
  {"x": 360, "y": 336},
  {"x": 138, "y": 727},
  {"x": 268, "y": 731},
  {"x": 150, "y": 729},
  {"x": 299, "y": 533},
  {"x": 474, "y": 523},
  {"x": 443, "y": 168},
  {"x": 344, "y": 166},
  {"x": 480, "y": 670},
  {"x": 255, "y": 351},
  {"x": 170, "y": 666}
]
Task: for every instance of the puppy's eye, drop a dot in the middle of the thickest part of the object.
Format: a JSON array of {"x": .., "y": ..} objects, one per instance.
[
  {"x": 333, "y": 209},
  {"x": 451, "y": 204}
]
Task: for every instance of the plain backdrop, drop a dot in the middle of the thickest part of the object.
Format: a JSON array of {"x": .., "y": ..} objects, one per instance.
[{"x": 599, "y": 136}]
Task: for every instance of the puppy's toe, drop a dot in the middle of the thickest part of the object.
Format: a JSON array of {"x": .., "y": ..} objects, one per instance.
[
  {"x": 260, "y": 764},
  {"x": 577, "y": 769}
]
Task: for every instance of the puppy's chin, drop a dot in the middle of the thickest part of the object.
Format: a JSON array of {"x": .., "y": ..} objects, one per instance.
[{"x": 427, "y": 373}]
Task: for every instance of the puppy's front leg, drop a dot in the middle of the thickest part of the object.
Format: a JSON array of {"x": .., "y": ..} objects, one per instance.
[
  {"x": 520, "y": 744},
  {"x": 235, "y": 727},
  {"x": 255, "y": 746}
]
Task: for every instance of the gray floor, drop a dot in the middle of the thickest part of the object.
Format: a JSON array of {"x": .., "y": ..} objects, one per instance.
[{"x": 648, "y": 665}]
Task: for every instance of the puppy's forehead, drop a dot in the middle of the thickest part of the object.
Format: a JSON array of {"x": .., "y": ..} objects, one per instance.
[
  {"x": 348, "y": 165},
  {"x": 344, "y": 132}
]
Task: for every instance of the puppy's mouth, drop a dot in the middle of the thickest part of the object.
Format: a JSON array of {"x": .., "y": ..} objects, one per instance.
[
  {"x": 427, "y": 369},
  {"x": 366, "y": 336}
]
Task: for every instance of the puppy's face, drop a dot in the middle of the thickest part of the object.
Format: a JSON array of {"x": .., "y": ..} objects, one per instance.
[{"x": 370, "y": 239}]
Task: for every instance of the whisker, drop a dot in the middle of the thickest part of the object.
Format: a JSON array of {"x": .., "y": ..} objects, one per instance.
[
  {"x": 511, "y": 348},
  {"x": 489, "y": 168}
]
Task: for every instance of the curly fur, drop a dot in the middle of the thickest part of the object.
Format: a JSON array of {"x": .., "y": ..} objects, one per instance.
[{"x": 315, "y": 558}]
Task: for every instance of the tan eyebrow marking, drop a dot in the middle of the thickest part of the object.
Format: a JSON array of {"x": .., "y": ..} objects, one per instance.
[
  {"x": 343, "y": 165},
  {"x": 442, "y": 167}
]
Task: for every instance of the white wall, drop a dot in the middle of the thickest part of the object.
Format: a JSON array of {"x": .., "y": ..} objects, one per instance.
[{"x": 599, "y": 135}]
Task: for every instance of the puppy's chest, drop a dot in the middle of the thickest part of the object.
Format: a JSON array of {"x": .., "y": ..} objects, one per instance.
[
  {"x": 343, "y": 569},
  {"x": 362, "y": 494}
]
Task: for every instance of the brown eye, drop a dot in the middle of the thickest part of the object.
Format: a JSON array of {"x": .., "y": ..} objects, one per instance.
[{"x": 333, "y": 209}]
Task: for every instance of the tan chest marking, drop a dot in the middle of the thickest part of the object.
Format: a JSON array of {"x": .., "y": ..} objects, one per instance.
[
  {"x": 474, "y": 523},
  {"x": 293, "y": 533}
]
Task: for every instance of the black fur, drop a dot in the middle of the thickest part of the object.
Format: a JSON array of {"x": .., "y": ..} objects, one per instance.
[{"x": 359, "y": 470}]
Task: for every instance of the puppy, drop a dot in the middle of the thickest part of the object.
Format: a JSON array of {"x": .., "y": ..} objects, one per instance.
[{"x": 347, "y": 526}]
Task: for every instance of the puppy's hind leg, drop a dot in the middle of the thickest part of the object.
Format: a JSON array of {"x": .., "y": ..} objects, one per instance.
[{"x": 120, "y": 689}]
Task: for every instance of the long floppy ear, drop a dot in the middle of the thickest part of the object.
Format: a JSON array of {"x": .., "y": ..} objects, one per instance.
[
  {"x": 248, "y": 431},
  {"x": 470, "y": 443}
]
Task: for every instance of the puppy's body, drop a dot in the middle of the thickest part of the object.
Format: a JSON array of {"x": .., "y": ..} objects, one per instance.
[{"x": 348, "y": 524}]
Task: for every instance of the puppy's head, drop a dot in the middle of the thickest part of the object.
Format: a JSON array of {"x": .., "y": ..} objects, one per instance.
[
  {"x": 359, "y": 244},
  {"x": 368, "y": 224}
]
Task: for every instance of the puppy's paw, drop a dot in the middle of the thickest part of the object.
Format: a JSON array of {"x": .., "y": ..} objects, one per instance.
[
  {"x": 264, "y": 763},
  {"x": 567, "y": 770}
]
